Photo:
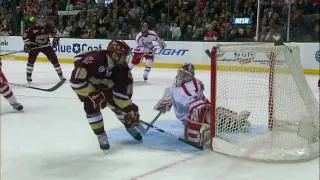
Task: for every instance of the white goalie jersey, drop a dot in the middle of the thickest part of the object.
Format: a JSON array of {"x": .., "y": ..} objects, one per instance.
[{"x": 187, "y": 97}]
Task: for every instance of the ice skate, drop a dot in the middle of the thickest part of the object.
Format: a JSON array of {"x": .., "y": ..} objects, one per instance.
[
  {"x": 134, "y": 133},
  {"x": 29, "y": 79},
  {"x": 62, "y": 78},
  {"x": 17, "y": 106},
  {"x": 103, "y": 141},
  {"x": 145, "y": 77}
]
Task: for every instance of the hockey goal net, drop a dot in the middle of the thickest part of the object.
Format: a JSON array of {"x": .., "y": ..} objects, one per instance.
[{"x": 266, "y": 83}]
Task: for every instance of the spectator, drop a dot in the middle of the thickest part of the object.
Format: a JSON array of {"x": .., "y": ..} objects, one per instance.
[
  {"x": 211, "y": 35},
  {"x": 188, "y": 35},
  {"x": 175, "y": 32},
  {"x": 5, "y": 28}
]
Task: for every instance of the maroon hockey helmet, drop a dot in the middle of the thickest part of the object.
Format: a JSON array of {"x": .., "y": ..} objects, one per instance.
[
  {"x": 41, "y": 20},
  {"x": 118, "y": 49}
]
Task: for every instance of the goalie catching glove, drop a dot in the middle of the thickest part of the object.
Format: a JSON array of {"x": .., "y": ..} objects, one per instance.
[{"x": 166, "y": 101}]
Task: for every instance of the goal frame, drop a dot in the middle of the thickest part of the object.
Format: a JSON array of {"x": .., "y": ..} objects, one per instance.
[{"x": 271, "y": 90}]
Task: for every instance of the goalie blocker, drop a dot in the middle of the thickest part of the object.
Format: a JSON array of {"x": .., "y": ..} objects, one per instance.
[{"x": 193, "y": 109}]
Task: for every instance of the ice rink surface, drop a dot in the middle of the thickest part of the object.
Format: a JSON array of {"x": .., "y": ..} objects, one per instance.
[{"x": 51, "y": 139}]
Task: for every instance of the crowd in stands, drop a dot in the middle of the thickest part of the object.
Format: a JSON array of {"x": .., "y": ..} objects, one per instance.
[{"x": 180, "y": 20}]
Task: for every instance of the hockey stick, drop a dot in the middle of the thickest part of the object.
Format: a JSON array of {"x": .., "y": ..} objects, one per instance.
[
  {"x": 171, "y": 135},
  {"x": 5, "y": 54},
  {"x": 144, "y": 130},
  {"x": 55, "y": 87},
  {"x": 208, "y": 53}
]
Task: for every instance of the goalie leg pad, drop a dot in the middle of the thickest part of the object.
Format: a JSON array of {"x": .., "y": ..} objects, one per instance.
[
  {"x": 197, "y": 133},
  {"x": 201, "y": 114}
]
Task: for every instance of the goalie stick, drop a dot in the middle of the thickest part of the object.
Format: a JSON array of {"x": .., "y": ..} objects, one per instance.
[
  {"x": 171, "y": 135},
  {"x": 144, "y": 130},
  {"x": 55, "y": 87}
]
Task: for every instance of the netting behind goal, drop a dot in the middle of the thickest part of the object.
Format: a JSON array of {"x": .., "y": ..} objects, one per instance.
[{"x": 267, "y": 83}]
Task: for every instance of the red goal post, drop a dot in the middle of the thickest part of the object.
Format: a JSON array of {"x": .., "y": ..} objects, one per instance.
[{"x": 266, "y": 81}]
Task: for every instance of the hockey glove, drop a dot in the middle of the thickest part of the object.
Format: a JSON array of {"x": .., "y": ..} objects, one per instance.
[
  {"x": 132, "y": 116},
  {"x": 164, "y": 106},
  {"x": 166, "y": 101},
  {"x": 98, "y": 99},
  {"x": 55, "y": 42},
  {"x": 27, "y": 48},
  {"x": 147, "y": 51},
  {"x": 162, "y": 44}
]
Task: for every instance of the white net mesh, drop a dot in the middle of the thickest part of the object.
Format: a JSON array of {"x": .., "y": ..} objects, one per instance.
[{"x": 267, "y": 82}]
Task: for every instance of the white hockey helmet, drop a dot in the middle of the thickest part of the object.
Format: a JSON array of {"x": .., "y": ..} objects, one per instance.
[{"x": 185, "y": 74}]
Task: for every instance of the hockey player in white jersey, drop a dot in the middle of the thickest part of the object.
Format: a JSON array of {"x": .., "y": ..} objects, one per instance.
[
  {"x": 193, "y": 109},
  {"x": 145, "y": 48}
]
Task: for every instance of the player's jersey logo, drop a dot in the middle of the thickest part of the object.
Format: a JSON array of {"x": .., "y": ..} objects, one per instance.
[{"x": 102, "y": 69}]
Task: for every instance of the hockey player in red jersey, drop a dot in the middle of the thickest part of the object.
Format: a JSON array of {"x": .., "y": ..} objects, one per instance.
[
  {"x": 193, "y": 109},
  {"x": 6, "y": 91},
  {"x": 103, "y": 79},
  {"x": 36, "y": 40},
  {"x": 145, "y": 49}
]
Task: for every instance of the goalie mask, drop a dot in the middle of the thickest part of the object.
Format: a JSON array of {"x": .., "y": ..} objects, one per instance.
[
  {"x": 117, "y": 52},
  {"x": 185, "y": 74}
]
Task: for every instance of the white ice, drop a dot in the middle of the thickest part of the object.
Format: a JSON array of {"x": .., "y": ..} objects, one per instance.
[{"x": 51, "y": 139}]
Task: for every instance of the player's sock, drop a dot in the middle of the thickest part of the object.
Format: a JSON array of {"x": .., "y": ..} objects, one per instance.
[
  {"x": 103, "y": 141},
  {"x": 29, "y": 72},
  {"x": 146, "y": 74},
  {"x": 57, "y": 68}
]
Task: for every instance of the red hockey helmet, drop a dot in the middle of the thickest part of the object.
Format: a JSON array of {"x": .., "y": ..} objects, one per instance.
[{"x": 118, "y": 51}]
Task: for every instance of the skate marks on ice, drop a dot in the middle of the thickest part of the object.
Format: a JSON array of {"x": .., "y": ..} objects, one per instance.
[{"x": 153, "y": 139}]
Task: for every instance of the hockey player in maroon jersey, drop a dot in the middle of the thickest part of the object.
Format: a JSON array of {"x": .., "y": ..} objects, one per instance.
[
  {"x": 145, "y": 49},
  {"x": 36, "y": 40},
  {"x": 6, "y": 91},
  {"x": 103, "y": 79}
]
